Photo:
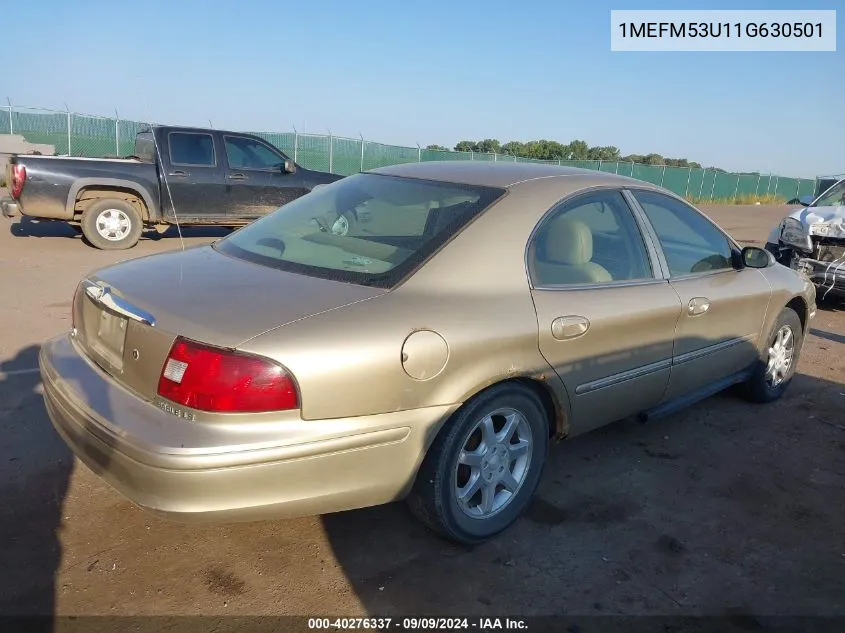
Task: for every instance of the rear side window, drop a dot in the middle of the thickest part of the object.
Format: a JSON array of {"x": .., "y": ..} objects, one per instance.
[
  {"x": 590, "y": 239},
  {"x": 191, "y": 149},
  {"x": 367, "y": 229}
]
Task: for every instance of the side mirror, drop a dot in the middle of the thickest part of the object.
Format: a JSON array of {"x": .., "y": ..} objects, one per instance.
[
  {"x": 805, "y": 201},
  {"x": 754, "y": 257},
  {"x": 289, "y": 167}
]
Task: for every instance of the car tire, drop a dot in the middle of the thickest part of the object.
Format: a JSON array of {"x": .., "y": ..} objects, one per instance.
[
  {"x": 770, "y": 378},
  {"x": 112, "y": 224},
  {"x": 434, "y": 498}
]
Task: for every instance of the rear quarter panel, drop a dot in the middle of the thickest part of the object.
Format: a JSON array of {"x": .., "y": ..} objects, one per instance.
[
  {"x": 53, "y": 183},
  {"x": 474, "y": 293}
]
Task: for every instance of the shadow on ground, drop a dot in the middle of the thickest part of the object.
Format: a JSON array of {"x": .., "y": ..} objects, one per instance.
[
  {"x": 28, "y": 227},
  {"x": 35, "y": 468}
]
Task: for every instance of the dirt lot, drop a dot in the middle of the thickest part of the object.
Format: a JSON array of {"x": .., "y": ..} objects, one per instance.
[{"x": 726, "y": 508}]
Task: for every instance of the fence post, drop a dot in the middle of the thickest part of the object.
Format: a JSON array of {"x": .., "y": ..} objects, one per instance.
[
  {"x": 11, "y": 125},
  {"x": 295, "y": 144},
  {"x": 689, "y": 177},
  {"x": 662, "y": 175},
  {"x": 777, "y": 178},
  {"x": 617, "y": 166},
  {"x": 599, "y": 164},
  {"x": 331, "y": 151},
  {"x": 798, "y": 188},
  {"x": 471, "y": 155},
  {"x": 713, "y": 188},
  {"x": 736, "y": 189},
  {"x": 757, "y": 188},
  {"x": 116, "y": 133},
  {"x": 419, "y": 153},
  {"x": 362, "y": 152},
  {"x": 494, "y": 157},
  {"x": 701, "y": 188},
  {"x": 68, "y": 131}
]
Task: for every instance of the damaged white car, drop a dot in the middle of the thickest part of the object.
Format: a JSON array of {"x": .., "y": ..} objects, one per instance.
[{"x": 812, "y": 241}]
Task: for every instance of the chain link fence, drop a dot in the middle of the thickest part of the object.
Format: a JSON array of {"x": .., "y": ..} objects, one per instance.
[{"x": 92, "y": 136}]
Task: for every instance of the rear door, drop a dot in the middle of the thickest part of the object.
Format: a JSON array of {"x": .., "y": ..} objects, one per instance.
[
  {"x": 724, "y": 305},
  {"x": 256, "y": 182},
  {"x": 606, "y": 316},
  {"x": 194, "y": 179}
]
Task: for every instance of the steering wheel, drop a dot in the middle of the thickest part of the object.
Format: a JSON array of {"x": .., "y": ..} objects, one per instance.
[{"x": 711, "y": 262}]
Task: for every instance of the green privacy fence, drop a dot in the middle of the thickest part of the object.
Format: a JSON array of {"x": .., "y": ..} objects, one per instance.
[{"x": 85, "y": 135}]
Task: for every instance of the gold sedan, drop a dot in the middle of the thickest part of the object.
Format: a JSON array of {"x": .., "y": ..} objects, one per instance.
[{"x": 419, "y": 331}]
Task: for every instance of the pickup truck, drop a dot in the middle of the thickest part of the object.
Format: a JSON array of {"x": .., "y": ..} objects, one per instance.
[{"x": 189, "y": 176}]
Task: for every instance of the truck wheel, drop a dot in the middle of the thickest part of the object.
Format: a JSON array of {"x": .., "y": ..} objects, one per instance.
[{"x": 111, "y": 224}]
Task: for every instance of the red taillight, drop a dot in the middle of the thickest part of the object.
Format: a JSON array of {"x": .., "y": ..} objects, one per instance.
[
  {"x": 222, "y": 381},
  {"x": 18, "y": 180}
]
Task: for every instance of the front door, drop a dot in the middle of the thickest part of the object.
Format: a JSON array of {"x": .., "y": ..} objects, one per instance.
[
  {"x": 606, "y": 316},
  {"x": 723, "y": 306},
  {"x": 256, "y": 181}
]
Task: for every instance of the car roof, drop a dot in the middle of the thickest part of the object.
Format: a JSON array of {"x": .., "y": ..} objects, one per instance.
[{"x": 502, "y": 174}]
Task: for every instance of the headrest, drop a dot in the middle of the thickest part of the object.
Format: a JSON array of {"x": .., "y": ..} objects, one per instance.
[{"x": 568, "y": 242}]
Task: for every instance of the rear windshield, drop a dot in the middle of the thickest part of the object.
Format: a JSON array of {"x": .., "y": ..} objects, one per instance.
[{"x": 366, "y": 229}]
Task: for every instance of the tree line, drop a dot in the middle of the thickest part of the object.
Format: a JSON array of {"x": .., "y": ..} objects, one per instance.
[{"x": 576, "y": 150}]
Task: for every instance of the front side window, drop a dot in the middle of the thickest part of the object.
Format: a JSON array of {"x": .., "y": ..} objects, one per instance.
[
  {"x": 367, "y": 229},
  {"x": 247, "y": 153},
  {"x": 690, "y": 242},
  {"x": 191, "y": 149},
  {"x": 833, "y": 197},
  {"x": 591, "y": 239}
]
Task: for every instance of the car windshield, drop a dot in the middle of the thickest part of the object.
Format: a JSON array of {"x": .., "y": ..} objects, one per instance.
[
  {"x": 833, "y": 197},
  {"x": 366, "y": 229}
]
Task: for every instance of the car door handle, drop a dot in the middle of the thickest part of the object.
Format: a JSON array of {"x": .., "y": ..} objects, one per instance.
[
  {"x": 698, "y": 305},
  {"x": 178, "y": 173},
  {"x": 237, "y": 177},
  {"x": 569, "y": 327}
]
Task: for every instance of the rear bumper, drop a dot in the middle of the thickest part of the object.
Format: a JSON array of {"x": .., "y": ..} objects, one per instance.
[
  {"x": 237, "y": 482},
  {"x": 9, "y": 208}
]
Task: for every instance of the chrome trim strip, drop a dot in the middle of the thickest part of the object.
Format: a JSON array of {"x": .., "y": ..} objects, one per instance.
[
  {"x": 711, "y": 349},
  {"x": 644, "y": 370},
  {"x": 597, "y": 286},
  {"x": 103, "y": 295},
  {"x": 630, "y": 374}
]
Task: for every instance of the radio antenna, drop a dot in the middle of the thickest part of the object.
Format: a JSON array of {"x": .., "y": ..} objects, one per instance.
[
  {"x": 167, "y": 185},
  {"x": 164, "y": 175}
]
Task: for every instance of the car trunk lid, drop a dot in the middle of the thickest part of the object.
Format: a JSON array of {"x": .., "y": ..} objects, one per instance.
[{"x": 127, "y": 316}]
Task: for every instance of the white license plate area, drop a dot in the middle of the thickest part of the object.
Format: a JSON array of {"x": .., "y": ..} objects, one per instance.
[{"x": 111, "y": 338}]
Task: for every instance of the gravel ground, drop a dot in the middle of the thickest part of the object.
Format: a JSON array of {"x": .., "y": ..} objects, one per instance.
[{"x": 723, "y": 509}]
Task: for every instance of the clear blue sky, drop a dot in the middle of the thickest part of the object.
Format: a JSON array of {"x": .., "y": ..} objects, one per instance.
[{"x": 435, "y": 71}]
